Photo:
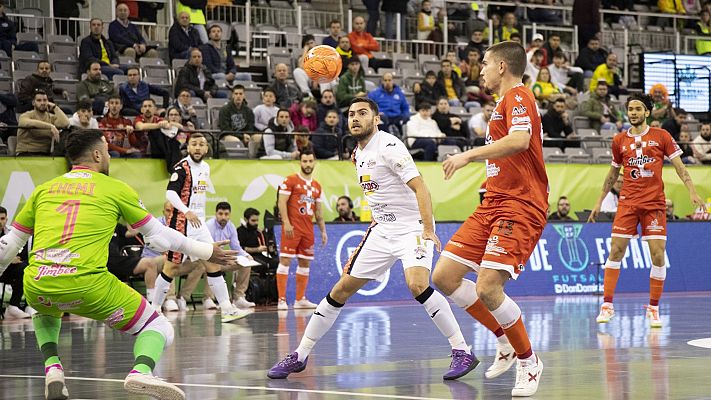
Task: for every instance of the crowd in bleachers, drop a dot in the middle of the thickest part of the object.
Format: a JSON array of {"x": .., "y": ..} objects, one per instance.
[{"x": 147, "y": 96}]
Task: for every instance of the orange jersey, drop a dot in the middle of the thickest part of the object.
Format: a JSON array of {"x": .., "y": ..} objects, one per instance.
[
  {"x": 520, "y": 177},
  {"x": 301, "y": 206},
  {"x": 642, "y": 158}
]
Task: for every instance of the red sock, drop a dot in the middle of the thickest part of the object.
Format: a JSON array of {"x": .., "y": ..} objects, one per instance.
[
  {"x": 281, "y": 285},
  {"x": 518, "y": 337},
  {"x": 610, "y": 283},
  {"x": 656, "y": 287},
  {"x": 482, "y": 314},
  {"x": 301, "y": 282}
]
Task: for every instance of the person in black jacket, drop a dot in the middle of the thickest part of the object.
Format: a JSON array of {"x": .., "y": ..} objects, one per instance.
[
  {"x": 189, "y": 78},
  {"x": 425, "y": 90},
  {"x": 216, "y": 57},
  {"x": 41, "y": 80},
  {"x": 8, "y": 102},
  {"x": 591, "y": 56},
  {"x": 449, "y": 124},
  {"x": 92, "y": 50},
  {"x": 8, "y": 35},
  {"x": 391, "y": 9},
  {"x": 586, "y": 15},
  {"x": 448, "y": 78},
  {"x": 182, "y": 37},
  {"x": 326, "y": 145},
  {"x": 556, "y": 122}
]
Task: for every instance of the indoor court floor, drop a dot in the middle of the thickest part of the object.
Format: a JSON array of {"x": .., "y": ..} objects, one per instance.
[{"x": 388, "y": 351}]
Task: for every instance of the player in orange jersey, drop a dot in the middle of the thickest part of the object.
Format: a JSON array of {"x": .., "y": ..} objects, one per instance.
[
  {"x": 641, "y": 151},
  {"x": 496, "y": 241},
  {"x": 300, "y": 198}
]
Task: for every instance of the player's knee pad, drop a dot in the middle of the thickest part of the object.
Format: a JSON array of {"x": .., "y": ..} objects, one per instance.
[
  {"x": 465, "y": 295},
  {"x": 302, "y": 271},
  {"x": 162, "y": 326},
  {"x": 658, "y": 273},
  {"x": 283, "y": 269}
]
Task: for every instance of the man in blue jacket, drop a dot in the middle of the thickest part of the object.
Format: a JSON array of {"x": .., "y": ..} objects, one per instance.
[
  {"x": 394, "y": 109},
  {"x": 126, "y": 36},
  {"x": 217, "y": 58},
  {"x": 182, "y": 37},
  {"x": 96, "y": 48},
  {"x": 134, "y": 91}
]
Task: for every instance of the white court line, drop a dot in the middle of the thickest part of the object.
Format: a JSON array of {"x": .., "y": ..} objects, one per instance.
[
  {"x": 355, "y": 394},
  {"x": 705, "y": 343}
]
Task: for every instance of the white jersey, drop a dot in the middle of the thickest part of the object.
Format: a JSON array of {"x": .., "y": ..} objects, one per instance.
[
  {"x": 384, "y": 167},
  {"x": 191, "y": 181}
]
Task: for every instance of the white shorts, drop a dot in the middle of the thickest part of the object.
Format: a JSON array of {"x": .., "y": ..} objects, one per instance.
[
  {"x": 378, "y": 251},
  {"x": 201, "y": 234}
]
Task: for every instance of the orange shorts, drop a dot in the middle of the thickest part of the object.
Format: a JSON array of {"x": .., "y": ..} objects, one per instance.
[
  {"x": 301, "y": 246},
  {"x": 652, "y": 218},
  {"x": 499, "y": 235}
]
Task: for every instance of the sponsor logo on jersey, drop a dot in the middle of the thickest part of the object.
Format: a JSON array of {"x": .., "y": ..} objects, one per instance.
[
  {"x": 369, "y": 187},
  {"x": 45, "y": 301},
  {"x": 652, "y": 143},
  {"x": 115, "y": 318},
  {"x": 456, "y": 244},
  {"x": 518, "y": 98},
  {"x": 654, "y": 226},
  {"x": 390, "y": 144},
  {"x": 58, "y": 256},
  {"x": 420, "y": 252},
  {"x": 174, "y": 177},
  {"x": 385, "y": 217},
  {"x": 54, "y": 270},
  {"x": 371, "y": 163},
  {"x": 520, "y": 120},
  {"x": 492, "y": 170},
  {"x": 636, "y": 173},
  {"x": 639, "y": 161},
  {"x": 495, "y": 116},
  {"x": 493, "y": 248},
  {"x": 70, "y": 305},
  {"x": 519, "y": 110},
  {"x": 77, "y": 174}
]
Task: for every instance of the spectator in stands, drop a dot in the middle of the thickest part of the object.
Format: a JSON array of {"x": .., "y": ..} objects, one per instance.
[
  {"x": 452, "y": 57},
  {"x": 351, "y": 84},
  {"x": 13, "y": 276},
  {"x": 423, "y": 132},
  {"x": 507, "y": 27},
  {"x": 302, "y": 80},
  {"x": 563, "y": 211},
  {"x": 303, "y": 139},
  {"x": 96, "y": 48},
  {"x": 344, "y": 207},
  {"x": 65, "y": 9},
  {"x": 609, "y": 203},
  {"x": 286, "y": 93},
  {"x": 236, "y": 118},
  {"x": 217, "y": 58},
  {"x": 363, "y": 44},
  {"x": 194, "y": 77},
  {"x": 392, "y": 9},
  {"x": 673, "y": 125},
  {"x": 95, "y": 88},
  {"x": 449, "y": 124},
  {"x": 703, "y": 28},
  {"x": 264, "y": 112},
  {"x": 182, "y": 37},
  {"x": 591, "y": 56},
  {"x": 326, "y": 145},
  {"x": 687, "y": 155},
  {"x": 117, "y": 130},
  {"x": 702, "y": 145},
  {"x": 8, "y": 35},
  {"x": 134, "y": 91},
  {"x": 40, "y": 127},
  {"x": 610, "y": 72},
  {"x": 545, "y": 15},
  {"x": 425, "y": 21},
  {"x": 334, "y": 34},
  {"x": 196, "y": 11},
  {"x": 175, "y": 137},
  {"x": 669, "y": 205},
  {"x": 126, "y": 36},
  {"x": 281, "y": 147},
  {"x": 556, "y": 122},
  {"x": 551, "y": 47},
  {"x": 8, "y": 102},
  {"x": 328, "y": 102},
  {"x": 478, "y": 123},
  {"x": 344, "y": 49},
  {"x": 449, "y": 85},
  {"x": 394, "y": 109},
  {"x": 83, "y": 118},
  {"x": 663, "y": 109},
  {"x": 426, "y": 90},
  {"x": 476, "y": 42},
  {"x": 39, "y": 80},
  {"x": 600, "y": 110},
  {"x": 254, "y": 242},
  {"x": 544, "y": 89},
  {"x": 373, "y": 8},
  {"x": 304, "y": 114},
  {"x": 586, "y": 16},
  {"x": 187, "y": 112},
  {"x": 671, "y": 6},
  {"x": 568, "y": 79},
  {"x": 536, "y": 44},
  {"x": 534, "y": 65},
  {"x": 148, "y": 126}
]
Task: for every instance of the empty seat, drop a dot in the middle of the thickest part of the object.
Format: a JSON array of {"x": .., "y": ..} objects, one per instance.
[
  {"x": 214, "y": 102},
  {"x": 444, "y": 151},
  {"x": 581, "y": 123},
  {"x": 576, "y": 155},
  {"x": 154, "y": 67}
]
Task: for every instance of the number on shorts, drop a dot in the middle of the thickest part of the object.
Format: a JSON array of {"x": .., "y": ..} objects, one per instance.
[
  {"x": 71, "y": 209},
  {"x": 506, "y": 227}
]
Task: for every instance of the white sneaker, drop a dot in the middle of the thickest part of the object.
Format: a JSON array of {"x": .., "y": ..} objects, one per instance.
[
  {"x": 607, "y": 311},
  {"x": 13, "y": 312},
  {"x": 54, "y": 388},
  {"x": 31, "y": 311},
  {"x": 241, "y": 302},
  {"x": 655, "y": 321},
  {"x": 234, "y": 314},
  {"x": 504, "y": 359},
  {"x": 304, "y": 303},
  {"x": 208, "y": 304},
  {"x": 170, "y": 305},
  {"x": 182, "y": 304},
  {"x": 139, "y": 383},
  {"x": 282, "y": 305},
  {"x": 527, "y": 378}
]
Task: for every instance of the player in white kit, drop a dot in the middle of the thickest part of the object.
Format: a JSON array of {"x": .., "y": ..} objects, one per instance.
[
  {"x": 187, "y": 193},
  {"x": 402, "y": 228}
]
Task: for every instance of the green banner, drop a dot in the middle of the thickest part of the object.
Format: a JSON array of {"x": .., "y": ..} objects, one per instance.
[{"x": 252, "y": 183}]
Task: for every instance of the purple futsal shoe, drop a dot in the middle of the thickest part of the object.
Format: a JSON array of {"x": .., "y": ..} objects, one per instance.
[
  {"x": 462, "y": 364},
  {"x": 289, "y": 364}
]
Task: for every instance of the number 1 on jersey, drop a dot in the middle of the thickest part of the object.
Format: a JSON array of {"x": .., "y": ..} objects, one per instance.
[{"x": 71, "y": 209}]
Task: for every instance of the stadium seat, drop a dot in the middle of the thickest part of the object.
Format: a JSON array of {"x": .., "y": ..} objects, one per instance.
[
  {"x": 154, "y": 67},
  {"x": 119, "y": 79},
  {"x": 423, "y": 58},
  {"x": 163, "y": 83},
  {"x": 554, "y": 155},
  {"x": 580, "y": 123},
  {"x": 445, "y": 150},
  {"x": 585, "y": 132},
  {"x": 433, "y": 66},
  {"x": 576, "y": 155}
]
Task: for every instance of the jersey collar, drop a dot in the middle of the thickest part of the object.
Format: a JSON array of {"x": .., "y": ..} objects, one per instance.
[{"x": 629, "y": 132}]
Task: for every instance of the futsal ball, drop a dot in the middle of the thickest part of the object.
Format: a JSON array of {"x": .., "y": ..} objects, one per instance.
[{"x": 323, "y": 64}]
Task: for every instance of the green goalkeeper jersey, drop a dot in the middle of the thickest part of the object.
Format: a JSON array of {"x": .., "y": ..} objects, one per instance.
[{"x": 72, "y": 218}]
